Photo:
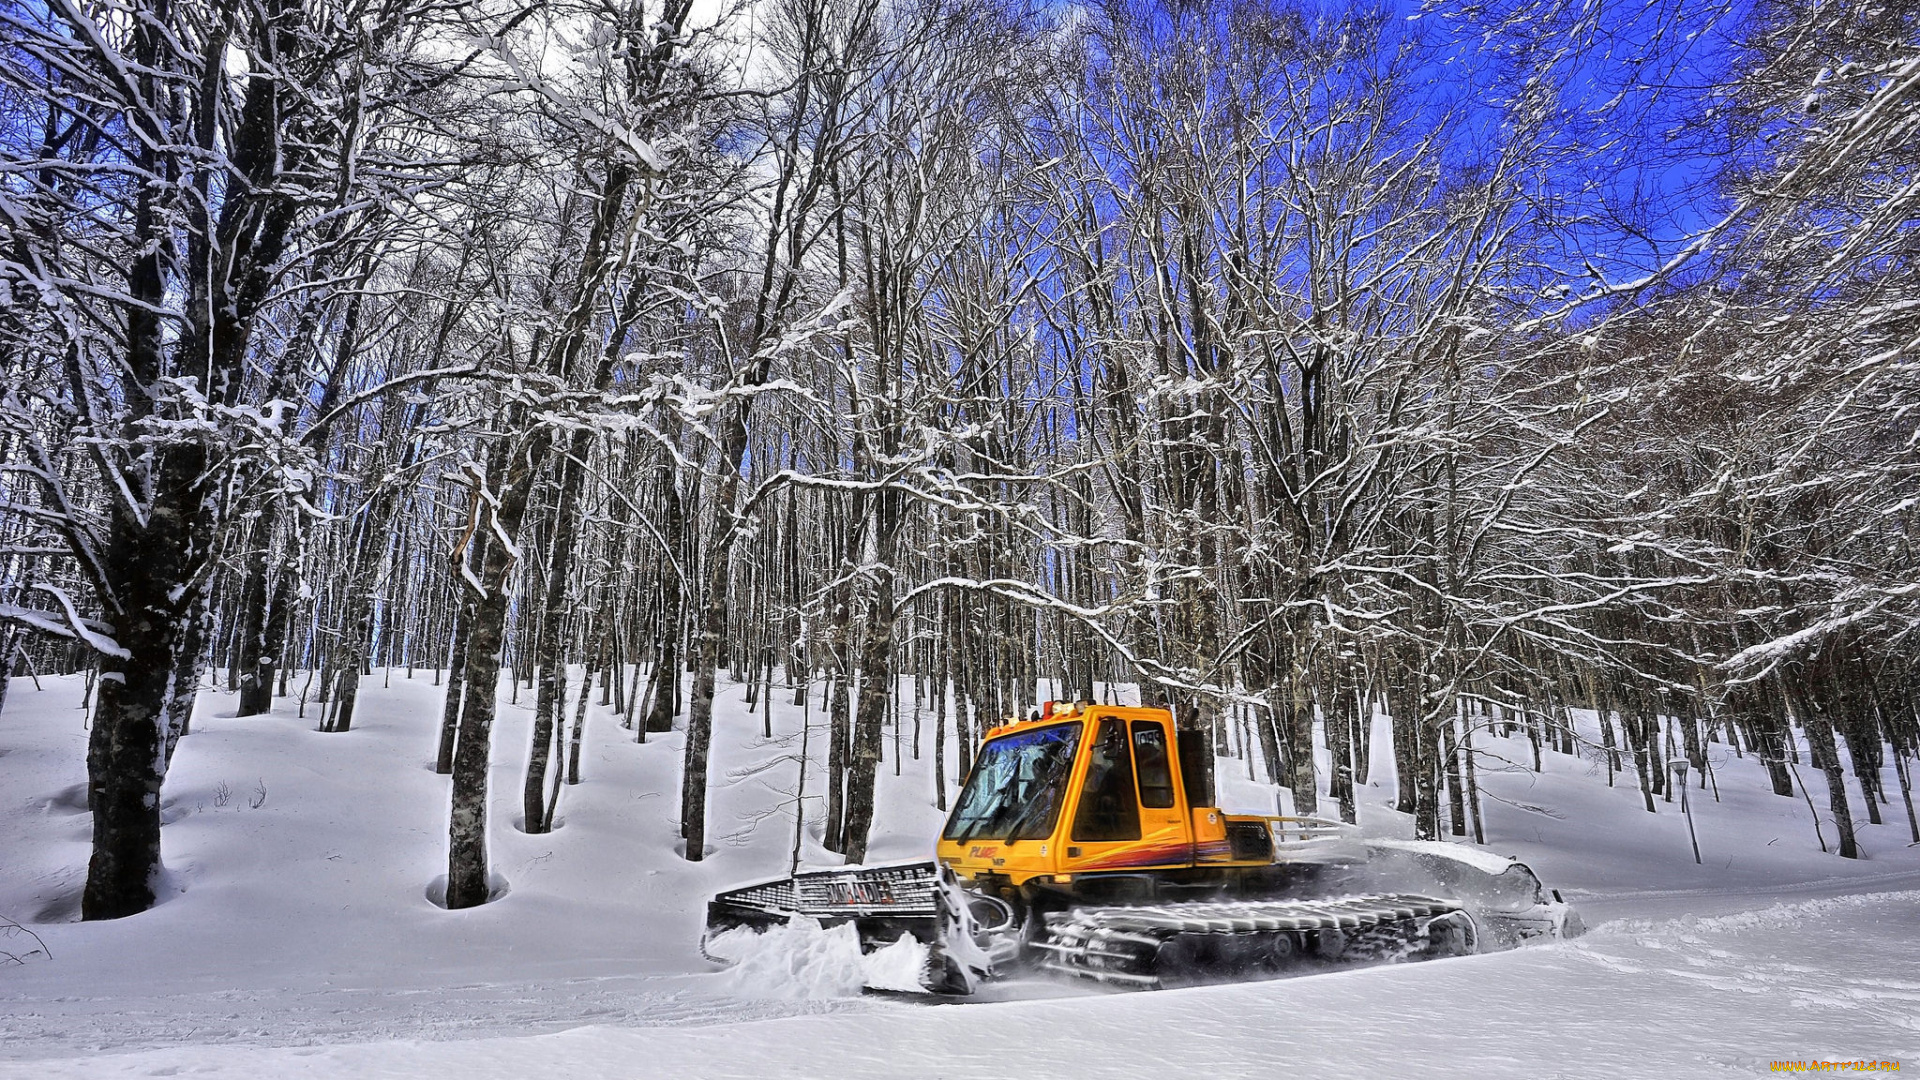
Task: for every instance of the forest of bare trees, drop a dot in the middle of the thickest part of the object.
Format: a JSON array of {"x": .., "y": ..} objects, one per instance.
[{"x": 1292, "y": 361}]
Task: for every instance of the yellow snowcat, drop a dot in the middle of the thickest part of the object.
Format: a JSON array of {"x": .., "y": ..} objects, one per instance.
[{"x": 1085, "y": 842}]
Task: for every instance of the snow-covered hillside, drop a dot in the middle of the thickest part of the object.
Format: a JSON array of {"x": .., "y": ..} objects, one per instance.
[{"x": 298, "y": 937}]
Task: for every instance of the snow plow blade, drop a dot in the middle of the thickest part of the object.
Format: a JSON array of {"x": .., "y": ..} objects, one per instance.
[{"x": 884, "y": 903}]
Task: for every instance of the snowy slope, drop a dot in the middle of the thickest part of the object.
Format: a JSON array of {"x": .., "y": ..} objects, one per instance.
[
  {"x": 298, "y": 938},
  {"x": 1707, "y": 998}
]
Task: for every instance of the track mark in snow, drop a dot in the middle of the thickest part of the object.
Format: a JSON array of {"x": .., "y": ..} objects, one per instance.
[{"x": 1804, "y": 956}]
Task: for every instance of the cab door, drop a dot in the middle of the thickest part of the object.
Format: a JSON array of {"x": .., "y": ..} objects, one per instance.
[
  {"x": 1163, "y": 815},
  {"x": 1125, "y": 810}
]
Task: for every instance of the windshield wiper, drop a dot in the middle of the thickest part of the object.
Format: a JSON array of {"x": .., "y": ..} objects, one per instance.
[{"x": 1045, "y": 799}]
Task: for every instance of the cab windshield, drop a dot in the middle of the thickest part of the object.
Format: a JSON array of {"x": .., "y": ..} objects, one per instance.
[{"x": 1015, "y": 788}]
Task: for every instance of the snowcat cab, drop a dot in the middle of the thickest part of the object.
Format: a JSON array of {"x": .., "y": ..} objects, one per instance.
[{"x": 1112, "y": 803}]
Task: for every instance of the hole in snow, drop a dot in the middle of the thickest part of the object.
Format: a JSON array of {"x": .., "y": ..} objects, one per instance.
[
  {"x": 520, "y": 822},
  {"x": 497, "y": 887}
]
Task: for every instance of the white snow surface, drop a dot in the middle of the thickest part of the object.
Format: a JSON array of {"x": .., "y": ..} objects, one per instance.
[{"x": 297, "y": 938}]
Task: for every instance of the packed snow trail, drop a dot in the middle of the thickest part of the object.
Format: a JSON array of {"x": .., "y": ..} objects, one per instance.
[{"x": 1834, "y": 979}]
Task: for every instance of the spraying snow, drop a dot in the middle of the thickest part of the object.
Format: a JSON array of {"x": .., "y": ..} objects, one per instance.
[{"x": 803, "y": 959}]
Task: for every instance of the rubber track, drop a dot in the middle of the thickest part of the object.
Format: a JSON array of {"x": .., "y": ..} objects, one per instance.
[{"x": 1146, "y": 946}]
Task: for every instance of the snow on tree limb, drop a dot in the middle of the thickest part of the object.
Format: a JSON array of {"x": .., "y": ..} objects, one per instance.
[{"x": 66, "y": 623}]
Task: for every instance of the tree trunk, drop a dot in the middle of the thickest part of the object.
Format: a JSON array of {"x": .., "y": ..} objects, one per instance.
[
  {"x": 1298, "y": 708},
  {"x": 467, "y": 878},
  {"x": 1405, "y": 721},
  {"x": 467, "y": 884},
  {"x": 839, "y": 722},
  {"x": 1826, "y": 756},
  {"x": 663, "y": 685},
  {"x": 152, "y": 564},
  {"x": 1471, "y": 770},
  {"x": 551, "y": 658},
  {"x": 878, "y": 685},
  {"x": 579, "y": 729},
  {"x": 189, "y": 665},
  {"x": 125, "y": 770},
  {"x": 939, "y": 734},
  {"x": 456, "y": 682},
  {"x": 9, "y": 645},
  {"x": 706, "y": 658},
  {"x": 876, "y": 690},
  {"x": 1456, "y": 788},
  {"x": 1337, "y": 714},
  {"x": 254, "y": 658}
]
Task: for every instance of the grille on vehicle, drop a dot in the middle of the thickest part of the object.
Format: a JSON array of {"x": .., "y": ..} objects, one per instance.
[
  {"x": 770, "y": 896},
  {"x": 892, "y": 890},
  {"x": 903, "y": 890},
  {"x": 1249, "y": 840}
]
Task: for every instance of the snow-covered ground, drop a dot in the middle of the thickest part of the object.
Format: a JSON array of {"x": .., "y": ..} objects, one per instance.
[{"x": 297, "y": 937}]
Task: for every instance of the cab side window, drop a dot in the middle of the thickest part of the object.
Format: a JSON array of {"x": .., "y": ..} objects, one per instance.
[
  {"x": 1150, "y": 752},
  {"x": 1107, "y": 809}
]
